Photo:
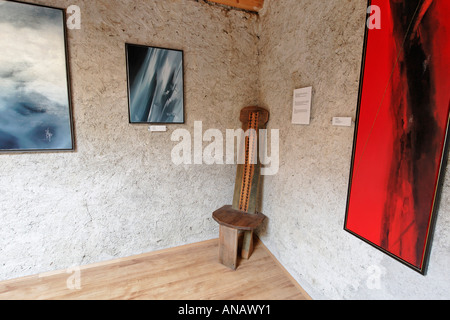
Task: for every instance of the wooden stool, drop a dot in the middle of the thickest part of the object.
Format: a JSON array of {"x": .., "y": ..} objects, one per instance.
[
  {"x": 232, "y": 221},
  {"x": 243, "y": 216}
]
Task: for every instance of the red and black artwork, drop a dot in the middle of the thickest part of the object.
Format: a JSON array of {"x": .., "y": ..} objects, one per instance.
[{"x": 400, "y": 143}]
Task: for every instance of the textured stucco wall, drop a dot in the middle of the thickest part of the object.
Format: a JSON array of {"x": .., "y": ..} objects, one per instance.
[
  {"x": 119, "y": 194},
  {"x": 319, "y": 43}
]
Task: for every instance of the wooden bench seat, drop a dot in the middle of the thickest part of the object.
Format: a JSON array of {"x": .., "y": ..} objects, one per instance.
[{"x": 236, "y": 219}]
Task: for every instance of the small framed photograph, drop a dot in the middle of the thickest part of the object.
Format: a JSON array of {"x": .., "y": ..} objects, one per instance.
[{"x": 155, "y": 85}]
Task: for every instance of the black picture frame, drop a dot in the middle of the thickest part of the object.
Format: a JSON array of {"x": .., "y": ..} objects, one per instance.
[
  {"x": 35, "y": 101},
  {"x": 155, "y": 80}
]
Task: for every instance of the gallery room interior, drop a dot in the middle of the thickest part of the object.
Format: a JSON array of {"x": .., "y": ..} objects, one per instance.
[{"x": 224, "y": 149}]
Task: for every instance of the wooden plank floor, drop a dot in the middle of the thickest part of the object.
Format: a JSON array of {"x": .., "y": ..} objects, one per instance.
[{"x": 190, "y": 272}]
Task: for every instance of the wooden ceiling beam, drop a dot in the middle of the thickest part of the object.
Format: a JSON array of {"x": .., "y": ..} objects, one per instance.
[{"x": 250, "y": 5}]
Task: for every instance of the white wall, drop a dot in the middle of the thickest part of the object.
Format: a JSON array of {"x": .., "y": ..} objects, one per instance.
[
  {"x": 319, "y": 43},
  {"x": 119, "y": 193}
]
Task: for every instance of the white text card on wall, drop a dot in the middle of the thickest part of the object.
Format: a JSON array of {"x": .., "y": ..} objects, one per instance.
[{"x": 301, "y": 113}]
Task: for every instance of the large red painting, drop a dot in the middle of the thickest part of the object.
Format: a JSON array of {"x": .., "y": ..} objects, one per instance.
[{"x": 401, "y": 132}]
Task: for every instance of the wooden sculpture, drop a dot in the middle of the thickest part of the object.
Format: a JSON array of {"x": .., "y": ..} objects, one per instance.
[{"x": 242, "y": 216}]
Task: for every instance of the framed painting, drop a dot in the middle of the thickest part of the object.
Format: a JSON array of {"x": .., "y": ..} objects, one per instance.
[
  {"x": 401, "y": 136},
  {"x": 155, "y": 84},
  {"x": 35, "y": 106}
]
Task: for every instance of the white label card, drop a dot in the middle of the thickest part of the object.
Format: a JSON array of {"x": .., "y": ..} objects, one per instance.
[
  {"x": 342, "y": 121},
  {"x": 157, "y": 128},
  {"x": 301, "y": 113}
]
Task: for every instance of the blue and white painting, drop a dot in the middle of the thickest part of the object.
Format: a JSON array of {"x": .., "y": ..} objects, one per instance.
[
  {"x": 35, "y": 112},
  {"x": 155, "y": 84}
]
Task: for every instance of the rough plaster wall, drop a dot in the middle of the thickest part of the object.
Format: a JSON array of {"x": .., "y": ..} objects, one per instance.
[
  {"x": 319, "y": 43},
  {"x": 119, "y": 194}
]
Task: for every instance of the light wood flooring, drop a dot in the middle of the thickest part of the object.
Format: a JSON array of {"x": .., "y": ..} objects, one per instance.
[{"x": 190, "y": 272}]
